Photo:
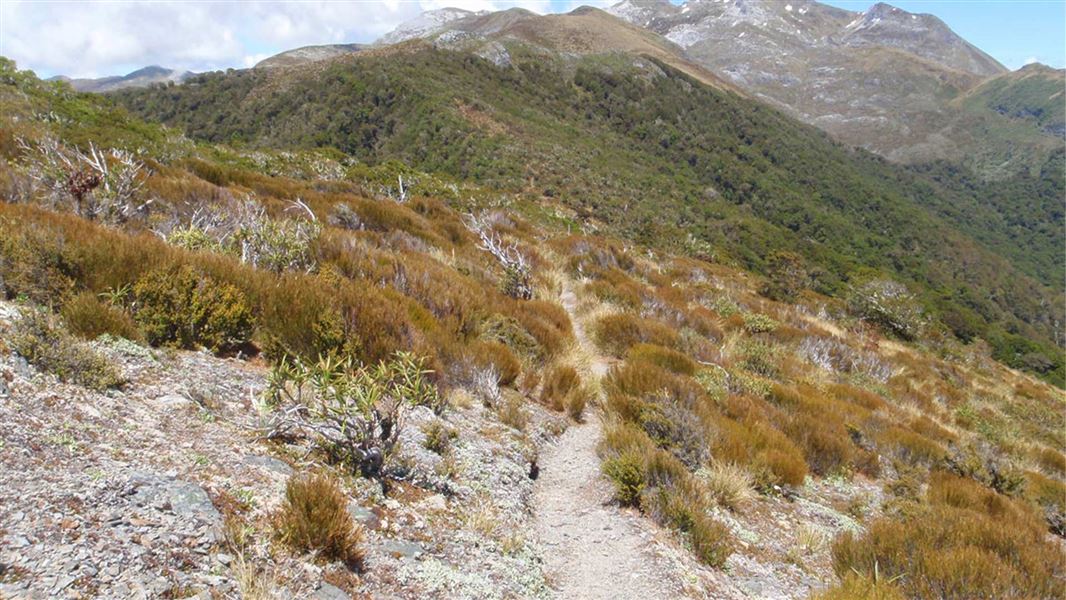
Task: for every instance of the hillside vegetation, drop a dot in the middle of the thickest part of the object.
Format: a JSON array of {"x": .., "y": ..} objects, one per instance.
[
  {"x": 664, "y": 160},
  {"x": 355, "y": 296}
]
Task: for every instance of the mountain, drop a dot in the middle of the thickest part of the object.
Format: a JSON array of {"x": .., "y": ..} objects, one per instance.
[
  {"x": 307, "y": 54},
  {"x": 426, "y": 23},
  {"x": 253, "y": 365},
  {"x": 1033, "y": 94},
  {"x": 884, "y": 79},
  {"x": 648, "y": 151},
  {"x": 139, "y": 78}
]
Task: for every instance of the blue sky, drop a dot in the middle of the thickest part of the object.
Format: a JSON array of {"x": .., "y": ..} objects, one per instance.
[{"x": 91, "y": 38}]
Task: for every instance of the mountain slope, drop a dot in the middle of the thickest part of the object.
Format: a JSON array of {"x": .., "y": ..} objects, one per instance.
[
  {"x": 645, "y": 148},
  {"x": 883, "y": 79},
  {"x": 139, "y": 78},
  {"x": 307, "y": 54}
]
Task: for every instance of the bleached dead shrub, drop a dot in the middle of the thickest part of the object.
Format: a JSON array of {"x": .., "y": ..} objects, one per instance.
[
  {"x": 98, "y": 185},
  {"x": 242, "y": 228},
  {"x": 517, "y": 272},
  {"x": 890, "y": 305},
  {"x": 353, "y": 414},
  {"x": 838, "y": 357}
]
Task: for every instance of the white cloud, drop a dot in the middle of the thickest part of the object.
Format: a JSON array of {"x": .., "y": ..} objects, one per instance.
[
  {"x": 1031, "y": 60},
  {"x": 89, "y": 38}
]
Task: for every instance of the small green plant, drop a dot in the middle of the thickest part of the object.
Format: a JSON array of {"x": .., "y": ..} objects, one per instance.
[
  {"x": 43, "y": 341},
  {"x": 759, "y": 323},
  {"x": 626, "y": 472},
  {"x": 352, "y": 413},
  {"x": 314, "y": 517},
  {"x": 89, "y": 318},
  {"x": 439, "y": 436}
]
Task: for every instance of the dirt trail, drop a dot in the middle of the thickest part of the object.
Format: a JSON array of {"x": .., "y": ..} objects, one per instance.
[{"x": 592, "y": 548}]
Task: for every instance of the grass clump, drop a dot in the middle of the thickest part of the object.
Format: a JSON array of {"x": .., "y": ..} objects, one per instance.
[
  {"x": 185, "y": 308},
  {"x": 665, "y": 358},
  {"x": 965, "y": 542},
  {"x": 729, "y": 485},
  {"x": 43, "y": 341},
  {"x": 314, "y": 518},
  {"x": 564, "y": 390},
  {"x": 88, "y": 317},
  {"x": 439, "y": 436},
  {"x": 618, "y": 332}
]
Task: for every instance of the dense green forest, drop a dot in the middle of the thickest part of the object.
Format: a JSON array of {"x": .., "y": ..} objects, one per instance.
[{"x": 659, "y": 156}]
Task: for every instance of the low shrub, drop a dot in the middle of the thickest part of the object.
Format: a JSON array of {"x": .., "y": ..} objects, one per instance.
[
  {"x": 616, "y": 333},
  {"x": 858, "y": 587},
  {"x": 43, "y": 341},
  {"x": 558, "y": 384},
  {"x": 354, "y": 414},
  {"x": 88, "y": 317},
  {"x": 34, "y": 263},
  {"x": 967, "y": 544},
  {"x": 889, "y": 305},
  {"x": 508, "y": 331},
  {"x": 759, "y": 323},
  {"x": 668, "y": 359},
  {"x": 626, "y": 472},
  {"x": 770, "y": 455},
  {"x": 185, "y": 308},
  {"x": 1052, "y": 461},
  {"x": 912, "y": 447},
  {"x": 314, "y": 517},
  {"x": 497, "y": 356},
  {"x": 758, "y": 357}
]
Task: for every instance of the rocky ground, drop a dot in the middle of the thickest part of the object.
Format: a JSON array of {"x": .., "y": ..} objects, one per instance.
[{"x": 129, "y": 494}]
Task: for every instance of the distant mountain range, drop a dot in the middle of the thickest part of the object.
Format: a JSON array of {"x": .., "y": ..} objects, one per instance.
[
  {"x": 899, "y": 84},
  {"x": 139, "y": 78}
]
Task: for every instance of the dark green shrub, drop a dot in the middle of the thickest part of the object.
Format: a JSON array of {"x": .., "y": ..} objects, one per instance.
[{"x": 185, "y": 308}]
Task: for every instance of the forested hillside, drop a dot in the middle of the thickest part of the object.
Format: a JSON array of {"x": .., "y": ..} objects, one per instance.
[{"x": 664, "y": 160}]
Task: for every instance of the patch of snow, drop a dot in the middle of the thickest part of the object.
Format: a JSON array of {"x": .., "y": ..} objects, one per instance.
[{"x": 425, "y": 24}]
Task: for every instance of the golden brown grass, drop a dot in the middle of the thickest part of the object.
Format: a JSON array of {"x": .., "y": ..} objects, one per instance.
[{"x": 314, "y": 518}]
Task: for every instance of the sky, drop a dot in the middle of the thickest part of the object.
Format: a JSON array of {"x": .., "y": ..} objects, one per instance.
[{"x": 92, "y": 38}]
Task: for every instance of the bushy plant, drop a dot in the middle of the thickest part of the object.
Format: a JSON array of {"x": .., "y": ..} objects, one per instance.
[
  {"x": 890, "y": 305},
  {"x": 759, "y": 323},
  {"x": 618, "y": 332},
  {"x": 439, "y": 436},
  {"x": 314, "y": 517},
  {"x": 968, "y": 542},
  {"x": 34, "y": 264},
  {"x": 666, "y": 358},
  {"x": 558, "y": 384},
  {"x": 43, "y": 341},
  {"x": 185, "y": 308},
  {"x": 354, "y": 414},
  {"x": 88, "y": 317},
  {"x": 497, "y": 356},
  {"x": 786, "y": 277},
  {"x": 243, "y": 229},
  {"x": 859, "y": 587}
]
